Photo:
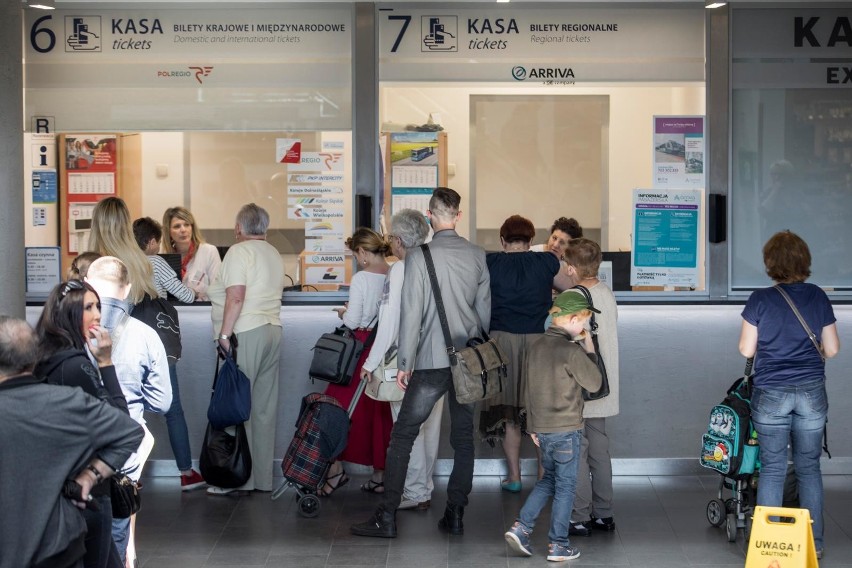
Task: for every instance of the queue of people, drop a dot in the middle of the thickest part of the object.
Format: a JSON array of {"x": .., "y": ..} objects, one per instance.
[{"x": 117, "y": 368}]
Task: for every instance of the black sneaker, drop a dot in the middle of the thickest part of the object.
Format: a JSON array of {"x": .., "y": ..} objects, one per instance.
[
  {"x": 583, "y": 528},
  {"x": 604, "y": 524}
]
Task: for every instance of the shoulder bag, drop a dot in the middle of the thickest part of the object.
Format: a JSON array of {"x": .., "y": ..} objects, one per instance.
[
  {"x": 124, "y": 496},
  {"x": 593, "y": 327},
  {"x": 230, "y": 403},
  {"x": 335, "y": 356},
  {"x": 382, "y": 385},
  {"x": 478, "y": 369}
]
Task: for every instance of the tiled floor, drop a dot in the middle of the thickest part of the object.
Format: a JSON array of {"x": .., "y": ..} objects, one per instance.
[{"x": 661, "y": 523}]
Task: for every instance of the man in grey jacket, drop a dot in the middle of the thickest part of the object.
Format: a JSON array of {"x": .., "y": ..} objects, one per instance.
[
  {"x": 50, "y": 434},
  {"x": 424, "y": 365}
]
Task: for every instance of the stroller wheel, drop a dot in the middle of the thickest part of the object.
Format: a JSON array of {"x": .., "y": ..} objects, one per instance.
[
  {"x": 731, "y": 527},
  {"x": 309, "y": 506},
  {"x": 716, "y": 512}
]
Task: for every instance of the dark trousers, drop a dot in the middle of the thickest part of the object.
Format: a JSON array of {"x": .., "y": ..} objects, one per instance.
[
  {"x": 424, "y": 390},
  {"x": 100, "y": 549}
]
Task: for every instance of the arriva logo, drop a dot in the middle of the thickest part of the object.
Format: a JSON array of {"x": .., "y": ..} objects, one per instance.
[{"x": 519, "y": 73}]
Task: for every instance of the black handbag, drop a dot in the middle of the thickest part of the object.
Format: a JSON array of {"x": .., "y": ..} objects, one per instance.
[
  {"x": 225, "y": 459},
  {"x": 335, "y": 356},
  {"x": 124, "y": 495},
  {"x": 479, "y": 368},
  {"x": 593, "y": 327}
]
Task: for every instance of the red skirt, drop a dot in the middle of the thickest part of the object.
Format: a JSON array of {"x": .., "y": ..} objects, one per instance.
[{"x": 370, "y": 431}]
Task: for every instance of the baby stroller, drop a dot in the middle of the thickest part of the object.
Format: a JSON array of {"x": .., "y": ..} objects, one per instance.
[
  {"x": 321, "y": 434},
  {"x": 730, "y": 448}
]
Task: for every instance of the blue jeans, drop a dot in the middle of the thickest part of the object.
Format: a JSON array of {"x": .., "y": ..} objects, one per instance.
[
  {"x": 424, "y": 390},
  {"x": 176, "y": 423},
  {"x": 560, "y": 456},
  {"x": 121, "y": 537},
  {"x": 779, "y": 412}
]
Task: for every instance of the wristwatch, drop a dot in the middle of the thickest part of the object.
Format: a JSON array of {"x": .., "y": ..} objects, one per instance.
[{"x": 223, "y": 336}]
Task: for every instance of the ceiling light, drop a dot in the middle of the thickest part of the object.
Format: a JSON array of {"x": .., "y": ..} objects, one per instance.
[
  {"x": 42, "y": 4},
  {"x": 715, "y": 5},
  {"x": 502, "y": 1}
]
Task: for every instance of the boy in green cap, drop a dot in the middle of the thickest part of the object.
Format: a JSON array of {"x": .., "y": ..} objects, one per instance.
[{"x": 559, "y": 366}]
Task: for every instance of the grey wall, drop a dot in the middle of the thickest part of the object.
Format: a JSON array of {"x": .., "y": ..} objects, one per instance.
[{"x": 677, "y": 361}]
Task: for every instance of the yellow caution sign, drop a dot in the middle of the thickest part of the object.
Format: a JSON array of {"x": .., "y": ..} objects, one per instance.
[{"x": 785, "y": 542}]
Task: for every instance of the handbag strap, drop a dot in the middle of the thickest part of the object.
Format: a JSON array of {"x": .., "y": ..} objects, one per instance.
[
  {"x": 593, "y": 325},
  {"x": 232, "y": 354},
  {"x": 439, "y": 301},
  {"x": 811, "y": 334}
]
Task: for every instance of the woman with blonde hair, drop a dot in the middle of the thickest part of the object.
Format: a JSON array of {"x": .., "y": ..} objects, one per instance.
[
  {"x": 199, "y": 261},
  {"x": 112, "y": 235},
  {"x": 369, "y": 434}
]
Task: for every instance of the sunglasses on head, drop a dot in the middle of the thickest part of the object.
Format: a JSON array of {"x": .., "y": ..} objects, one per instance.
[{"x": 71, "y": 285}]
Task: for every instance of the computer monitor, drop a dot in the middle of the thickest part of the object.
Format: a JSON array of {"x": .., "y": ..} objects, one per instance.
[
  {"x": 173, "y": 259},
  {"x": 620, "y": 270}
]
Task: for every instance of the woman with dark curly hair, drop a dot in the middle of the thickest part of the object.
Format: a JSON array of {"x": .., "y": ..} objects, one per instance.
[{"x": 562, "y": 231}]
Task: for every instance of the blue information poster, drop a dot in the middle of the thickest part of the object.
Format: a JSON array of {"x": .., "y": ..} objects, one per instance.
[
  {"x": 665, "y": 237},
  {"x": 44, "y": 186}
]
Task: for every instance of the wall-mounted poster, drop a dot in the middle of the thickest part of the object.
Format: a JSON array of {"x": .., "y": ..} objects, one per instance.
[
  {"x": 679, "y": 152},
  {"x": 665, "y": 237},
  {"x": 43, "y": 268},
  {"x": 414, "y": 158}
]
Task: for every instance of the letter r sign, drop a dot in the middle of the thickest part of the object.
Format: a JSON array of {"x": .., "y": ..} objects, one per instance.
[{"x": 42, "y": 125}]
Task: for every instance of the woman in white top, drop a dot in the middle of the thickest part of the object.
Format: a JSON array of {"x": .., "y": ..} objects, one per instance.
[
  {"x": 409, "y": 229},
  {"x": 561, "y": 233},
  {"x": 199, "y": 261},
  {"x": 369, "y": 434}
]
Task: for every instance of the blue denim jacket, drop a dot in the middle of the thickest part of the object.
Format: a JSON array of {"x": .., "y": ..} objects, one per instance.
[{"x": 140, "y": 362}]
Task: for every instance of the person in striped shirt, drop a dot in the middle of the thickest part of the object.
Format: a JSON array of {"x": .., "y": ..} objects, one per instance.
[{"x": 148, "y": 234}]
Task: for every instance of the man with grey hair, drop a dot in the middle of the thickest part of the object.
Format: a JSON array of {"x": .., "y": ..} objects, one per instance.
[
  {"x": 464, "y": 283},
  {"x": 50, "y": 434},
  {"x": 246, "y": 298}
]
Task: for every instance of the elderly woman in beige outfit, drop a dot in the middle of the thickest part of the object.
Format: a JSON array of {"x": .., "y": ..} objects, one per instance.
[{"x": 246, "y": 298}]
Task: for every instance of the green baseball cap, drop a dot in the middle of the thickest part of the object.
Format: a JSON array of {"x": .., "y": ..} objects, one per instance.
[{"x": 569, "y": 302}]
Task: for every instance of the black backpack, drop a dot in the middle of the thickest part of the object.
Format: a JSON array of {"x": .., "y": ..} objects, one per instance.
[{"x": 161, "y": 316}]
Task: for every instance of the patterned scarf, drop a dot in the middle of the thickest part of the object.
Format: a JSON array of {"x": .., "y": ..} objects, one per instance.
[{"x": 185, "y": 260}]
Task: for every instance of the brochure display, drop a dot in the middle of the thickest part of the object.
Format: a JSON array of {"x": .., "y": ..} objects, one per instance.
[
  {"x": 416, "y": 163},
  {"x": 665, "y": 237},
  {"x": 315, "y": 195}
]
